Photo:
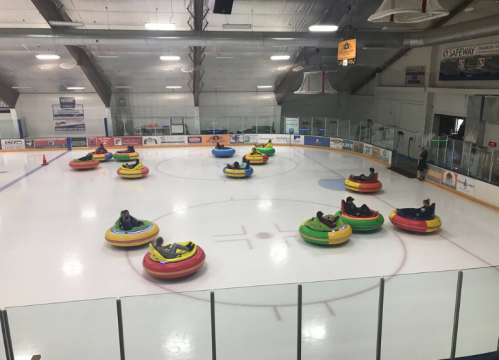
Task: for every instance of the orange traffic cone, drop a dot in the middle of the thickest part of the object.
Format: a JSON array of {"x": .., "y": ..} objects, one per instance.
[{"x": 44, "y": 160}]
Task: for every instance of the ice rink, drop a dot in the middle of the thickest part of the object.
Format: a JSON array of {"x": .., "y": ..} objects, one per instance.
[{"x": 53, "y": 220}]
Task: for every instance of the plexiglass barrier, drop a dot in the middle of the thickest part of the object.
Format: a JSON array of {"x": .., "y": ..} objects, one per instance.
[{"x": 440, "y": 315}]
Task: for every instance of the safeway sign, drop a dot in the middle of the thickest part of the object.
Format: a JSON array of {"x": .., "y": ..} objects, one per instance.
[{"x": 466, "y": 51}]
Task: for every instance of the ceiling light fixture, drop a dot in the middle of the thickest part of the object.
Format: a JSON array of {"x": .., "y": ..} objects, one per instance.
[
  {"x": 282, "y": 68},
  {"x": 123, "y": 87},
  {"x": 237, "y": 26},
  {"x": 174, "y": 97},
  {"x": 224, "y": 57},
  {"x": 47, "y": 57},
  {"x": 66, "y": 23},
  {"x": 108, "y": 56},
  {"x": 21, "y": 87},
  {"x": 374, "y": 48},
  {"x": 174, "y": 87},
  {"x": 75, "y": 87},
  {"x": 280, "y": 57},
  {"x": 298, "y": 68},
  {"x": 283, "y": 39},
  {"x": 187, "y": 69},
  {"x": 158, "y": 26},
  {"x": 168, "y": 69},
  {"x": 323, "y": 28},
  {"x": 265, "y": 86},
  {"x": 170, "y": 58},
  {"x": 265, "y": 97}
]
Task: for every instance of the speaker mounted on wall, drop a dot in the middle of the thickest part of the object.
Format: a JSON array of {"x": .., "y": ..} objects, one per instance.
[{"x": 223, "y": 7}]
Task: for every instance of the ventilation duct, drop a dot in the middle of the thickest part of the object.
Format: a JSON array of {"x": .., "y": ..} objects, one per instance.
[
  {"x": 315, "y": 82},
  {"x": 408, "y": 11}
]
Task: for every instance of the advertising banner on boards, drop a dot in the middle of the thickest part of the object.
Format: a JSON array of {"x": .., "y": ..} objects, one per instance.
[
  {"x": 13, "y": 144},
  {"x": 336, "y": 143},
  {"x": 317, "y": 141},
  {"x": 237, "y": 139},
  {"x": 127, "y": 140},
  {"x": 358, "y": 147},
  {"x": 195, "y": 139},
  {"x": 276, "y": 139},
  {"x": 434, "y": 173},
  {"x": 298, "y": 139},
  {"x": 449, "y": 179},
  {"x": 164, "y": 140},
  {"x": 213, "y": 139},
  {"x": 96, "y": 141},
  {"x": 79, "y": 142},
  {"x": 51, "y": 143},
  {"x": 347, "y": 145},
  {"x": 29, "y": 143},
  {"x": 368, "y": 149},
  {"x": 250, "y": 138},
  {"x": 382, "y": 154},
  {"x": 466, "y": 185}
]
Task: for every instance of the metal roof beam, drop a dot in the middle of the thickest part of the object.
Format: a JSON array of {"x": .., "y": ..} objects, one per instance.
[
  {"x": 52, "y": 10},
  {"x": 8, "y": 95}
]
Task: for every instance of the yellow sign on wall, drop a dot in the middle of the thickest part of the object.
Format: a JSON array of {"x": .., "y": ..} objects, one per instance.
[{"x": 347, "y": 49}]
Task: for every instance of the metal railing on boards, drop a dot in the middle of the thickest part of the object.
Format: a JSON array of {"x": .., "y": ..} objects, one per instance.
[{"x": 400, "y": 312}]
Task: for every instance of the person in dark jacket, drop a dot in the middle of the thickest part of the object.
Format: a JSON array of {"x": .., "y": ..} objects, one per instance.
[
  {"x": 328, "y": 221},
  {"x": 422, "y": 164},
  {"x": 171, "y": 252},
  {"x": 132, "y": 165},
  {"x": 364, "y": 177},
  {"x": 245, "y": 163},
  {"x": 87, "y": 157},
  {"x": 128, "y": 222},
  {"x": 101, "y": 149},
  {"x": 233, "y": 166},
  {"x": 352, "y": 210},
  {"x": 423, "y": 212},
  {"x": 219, "y": 147}
]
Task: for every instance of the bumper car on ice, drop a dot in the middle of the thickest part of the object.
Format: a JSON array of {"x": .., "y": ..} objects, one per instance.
[
  {"x": 139, "y": 171},
  {"x": 403, "y": 221},
  {"x": 314, "y": 231},
  {"x": 137, "y": 236},
  {"x": 78, "y": 164},
  {"x": 371, "y": 186},
  {"x": 186, "y": 262},
  {"x": 125, "y": 155},
  {"x": 103, "y": 157},
  {"x": 238, "y": 173},
  {"x": 361, "y": 223},
  {"x": 257, "y": 158},
  {"x": 269, "y": 151},
  {"x": 227, "y": 152}
]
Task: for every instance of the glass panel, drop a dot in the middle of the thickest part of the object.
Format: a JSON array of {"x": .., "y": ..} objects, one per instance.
[
  {"x": 340, "y": 319},
  {"x": 318, "y": 126},
  {"x": 257, "y": 323},
  {"x": 79, "y": 330},
  {"x": 418, "y": 316},
  {"x": 331, "y": 127},
  {"x": 305, "y": 125},
  {"x": 344, "y": 129},
  {"x": 167, "y": 326},
  {"x": 479, "y": 313}
]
